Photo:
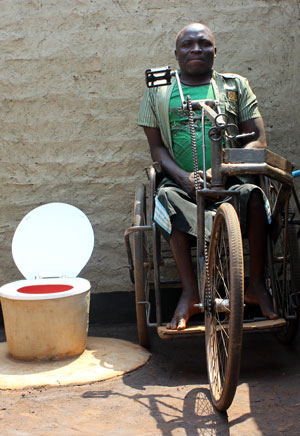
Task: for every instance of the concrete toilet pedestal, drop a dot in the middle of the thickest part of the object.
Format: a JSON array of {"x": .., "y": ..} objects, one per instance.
[{"x": 46, "y": 315}]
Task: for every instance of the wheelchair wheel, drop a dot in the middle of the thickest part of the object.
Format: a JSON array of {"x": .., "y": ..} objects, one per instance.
[
  {"x": 289, "y": 297},
  {"x": 285, "y": 285},
  {"x": 141, "y": 265},
  {"x": 224, "y": 318}
]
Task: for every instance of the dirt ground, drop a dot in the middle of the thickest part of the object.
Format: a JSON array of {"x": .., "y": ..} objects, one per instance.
[{"x": 168, "y": 396}]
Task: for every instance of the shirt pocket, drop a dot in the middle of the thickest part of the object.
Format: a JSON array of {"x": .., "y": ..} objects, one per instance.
[
  {"x": 232, "y": 108},
  {"x": 231, "y": 102}
]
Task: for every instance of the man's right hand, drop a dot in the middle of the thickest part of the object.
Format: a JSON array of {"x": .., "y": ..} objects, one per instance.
[{"x": 188, "y": 182}]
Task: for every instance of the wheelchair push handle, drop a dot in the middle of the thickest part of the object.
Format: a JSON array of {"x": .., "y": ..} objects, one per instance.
[{"x": 158, "y": 76}]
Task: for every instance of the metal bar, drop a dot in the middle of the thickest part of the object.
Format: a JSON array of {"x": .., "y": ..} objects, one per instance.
[
  {"x": 135, "y": 229},
  {"x": 216, "y": 159},
  {"x": 156, "y": 247},
  {"x": 148, "y": 309},
  {"x": 255, "y": 168},
  {"x": 203, "y": 105},
  {"x": 200, "y": 198},
  {"x": 152, "y": 176},
  {"x": 128, "y": 232}
]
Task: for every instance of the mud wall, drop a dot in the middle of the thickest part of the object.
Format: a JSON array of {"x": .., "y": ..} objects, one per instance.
[{"x": 71, "y": 77}]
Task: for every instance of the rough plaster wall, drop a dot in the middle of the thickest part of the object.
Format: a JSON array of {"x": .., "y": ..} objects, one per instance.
[{"x": 71, "y": 77}]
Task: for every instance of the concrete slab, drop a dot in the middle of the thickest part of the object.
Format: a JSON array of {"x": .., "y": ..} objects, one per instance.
[{"x": 103, "y": 358}]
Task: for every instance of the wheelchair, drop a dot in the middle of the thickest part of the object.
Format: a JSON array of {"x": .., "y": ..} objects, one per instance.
[{"x": 221, "y": 272}]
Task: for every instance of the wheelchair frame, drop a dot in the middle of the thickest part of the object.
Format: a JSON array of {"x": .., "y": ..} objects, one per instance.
[{"x": 221, "y": 298}]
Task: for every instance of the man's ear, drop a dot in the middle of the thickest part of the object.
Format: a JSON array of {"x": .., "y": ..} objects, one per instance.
[
  {"x": 175, "y": 52},
  {"x": 215, "y": 51}
]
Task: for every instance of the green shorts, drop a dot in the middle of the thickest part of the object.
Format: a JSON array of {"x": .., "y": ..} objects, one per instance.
[{"x": 175, "y": 205}]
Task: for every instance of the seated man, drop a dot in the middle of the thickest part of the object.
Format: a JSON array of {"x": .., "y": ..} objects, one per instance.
[{"x": 167, "y": 130}]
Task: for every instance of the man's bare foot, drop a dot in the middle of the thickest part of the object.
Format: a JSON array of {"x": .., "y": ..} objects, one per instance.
[
  {"x": 184, "y": 310},
  {"x": 259, "y": 296}
]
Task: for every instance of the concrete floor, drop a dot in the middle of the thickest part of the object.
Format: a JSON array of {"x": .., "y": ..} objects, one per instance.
[{"x": 168, "y": 396}]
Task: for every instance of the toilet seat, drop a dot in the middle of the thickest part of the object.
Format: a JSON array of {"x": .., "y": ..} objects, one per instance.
[
  {"x": 12, "y": 290},
  {"x": 51, "y": 245}
]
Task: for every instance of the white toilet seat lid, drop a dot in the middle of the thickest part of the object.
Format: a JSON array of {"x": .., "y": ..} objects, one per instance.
[{"x": 53, "y": 240}]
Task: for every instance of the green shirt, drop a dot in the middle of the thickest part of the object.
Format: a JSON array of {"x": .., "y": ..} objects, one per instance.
[
  {"x": 236, "y": 98},
  {"x": 180, "y": 131}
]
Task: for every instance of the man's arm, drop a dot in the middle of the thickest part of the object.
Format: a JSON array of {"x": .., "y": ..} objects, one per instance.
[
  {"x": 159, "y": 153},
  {"x": 254, "y": 125}
]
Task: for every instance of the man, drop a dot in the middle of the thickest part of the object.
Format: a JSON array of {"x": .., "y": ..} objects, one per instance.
[{"x": 166, "y": 128}]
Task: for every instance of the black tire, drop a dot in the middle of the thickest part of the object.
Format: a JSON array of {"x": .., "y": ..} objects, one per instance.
[
  {"x": 285, "y": 290},
  {"x": 291, "y": 306},
  {"x": 224, "y": 330},
  {"x": 141, "y": 281}
]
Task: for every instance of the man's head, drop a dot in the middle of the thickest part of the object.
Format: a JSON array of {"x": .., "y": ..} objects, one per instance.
[{"x": 195, "y": 49}]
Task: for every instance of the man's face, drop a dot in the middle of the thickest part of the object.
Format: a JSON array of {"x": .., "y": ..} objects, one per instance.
[{"x": 195, "y": 50}]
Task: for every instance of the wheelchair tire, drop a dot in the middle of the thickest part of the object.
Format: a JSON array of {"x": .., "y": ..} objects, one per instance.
[
  {"x": 139, "y": 265},
  {"x": 224, "y": 329},
  {"x": 287, "y": 298}
]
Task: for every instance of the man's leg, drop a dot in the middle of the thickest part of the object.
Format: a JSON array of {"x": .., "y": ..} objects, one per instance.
[
  {"x": 180, "y": 246},
  {"x": 257, "y": 293}
]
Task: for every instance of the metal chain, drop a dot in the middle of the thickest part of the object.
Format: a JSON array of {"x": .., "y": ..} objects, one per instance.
[
  {"x": 193, "y": 143},
  {"x": 208, "y": 298},
  {"x": 208, "y": 304}
]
